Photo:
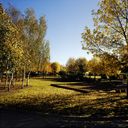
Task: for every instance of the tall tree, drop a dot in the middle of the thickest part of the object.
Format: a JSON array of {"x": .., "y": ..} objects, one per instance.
[
  {"x": 111, "y": 27},
  {"x": 32, "y": 34},
  {"x": 44, "y": 55},
  {"x": 110, "y": 34},
  {"x": 11, "y": 46}
]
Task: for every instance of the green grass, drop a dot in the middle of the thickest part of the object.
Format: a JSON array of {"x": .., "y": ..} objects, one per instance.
[{"x": 40, "y": 96}]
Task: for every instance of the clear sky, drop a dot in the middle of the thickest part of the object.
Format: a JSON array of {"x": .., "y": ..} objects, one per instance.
[{"x": 66, "y": 20}]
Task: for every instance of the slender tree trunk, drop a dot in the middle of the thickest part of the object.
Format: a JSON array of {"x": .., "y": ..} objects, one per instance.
[
  {"x": 6, "y": 80},
  {"x": 1, "y": 78},
  {"x": 14, "y": 82},
  {"x": 13, "y": 79},
  {"x": 127, "y": 87},
  {"x": 0, "y": 81},
  {"x": 127, "y": 74},
  {"x": 28, "y": 77},
  {"x": 43, "y": 74},
  {"x": 10, "y": 82},
  {"x": 23, "y": 78},
  {"x": 38, "y": 67},
  {"x": 16, "y": 77}
]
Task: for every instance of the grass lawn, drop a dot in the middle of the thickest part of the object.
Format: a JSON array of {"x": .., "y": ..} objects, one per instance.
[
  {"x": 62, "y": 106},
  {"x": 46, "y": 99}
]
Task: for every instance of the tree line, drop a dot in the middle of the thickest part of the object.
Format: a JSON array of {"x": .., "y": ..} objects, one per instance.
[
  {"x": 23, "y": 47},
  {"x": 77, "y": 69}
]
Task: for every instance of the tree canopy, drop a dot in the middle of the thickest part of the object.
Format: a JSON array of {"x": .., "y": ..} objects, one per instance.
[
  {"x": 23, "y": 47},
  {"x": 111, "y": 28}
]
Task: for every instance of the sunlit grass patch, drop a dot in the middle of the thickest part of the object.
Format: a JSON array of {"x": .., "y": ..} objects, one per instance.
[{"x": 43, "y": 97}]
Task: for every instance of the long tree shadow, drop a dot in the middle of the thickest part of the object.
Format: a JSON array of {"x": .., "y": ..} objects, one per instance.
[
  {"x": 83, "y": 86},
  {"x": 103, "y": 86},
  {"x": 69, "y": 88}
]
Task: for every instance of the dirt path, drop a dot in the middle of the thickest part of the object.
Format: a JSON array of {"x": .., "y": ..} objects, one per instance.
[{"x": 17, "y": 119}]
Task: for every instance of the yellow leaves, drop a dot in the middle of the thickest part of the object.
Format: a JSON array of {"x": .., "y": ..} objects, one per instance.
[
  {"x": 11, "y": 37},
  {"x": 111, "y": 31},
  {"x": 55, "y": 67},
  {"x": 109, "y": 10}
]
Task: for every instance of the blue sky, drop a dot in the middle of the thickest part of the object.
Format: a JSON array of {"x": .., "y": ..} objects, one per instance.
[{"x": 66, "y": 20}]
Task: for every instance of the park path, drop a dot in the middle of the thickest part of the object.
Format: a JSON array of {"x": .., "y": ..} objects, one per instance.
[{"x": 18, "y": 119}]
